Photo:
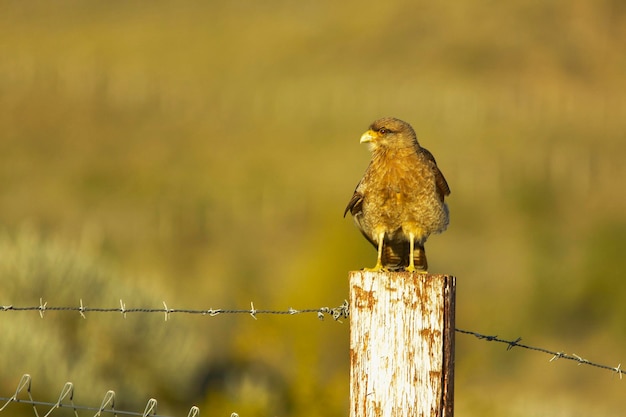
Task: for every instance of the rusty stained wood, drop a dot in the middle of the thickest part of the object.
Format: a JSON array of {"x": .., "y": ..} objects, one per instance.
[{"x": 401, "y": 344}]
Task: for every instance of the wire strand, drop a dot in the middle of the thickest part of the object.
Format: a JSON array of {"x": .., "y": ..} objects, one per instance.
[
  {"x": 67, "y": 393},
  {"x": 337, "y": 313},
  {"x": 555, "y": 355}
]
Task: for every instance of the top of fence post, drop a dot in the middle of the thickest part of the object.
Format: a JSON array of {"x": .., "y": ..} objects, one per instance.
[{"x": 401, "y": 344}]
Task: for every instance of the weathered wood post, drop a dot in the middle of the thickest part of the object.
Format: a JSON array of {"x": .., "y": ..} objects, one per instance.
[{"x": 401, "y": 344}]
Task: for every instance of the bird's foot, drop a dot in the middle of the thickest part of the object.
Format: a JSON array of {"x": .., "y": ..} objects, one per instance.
[
  {"x": 416, "y": 270},
  {"x": 377, "y": 268}
]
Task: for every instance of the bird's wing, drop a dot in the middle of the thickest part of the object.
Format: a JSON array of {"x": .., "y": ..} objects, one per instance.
[
  {"x": 355, "y": 205},
  {"x": 443, "y": 189}
]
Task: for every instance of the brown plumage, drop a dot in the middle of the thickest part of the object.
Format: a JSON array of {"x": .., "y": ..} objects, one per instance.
[{"x": 399, "y": 201}]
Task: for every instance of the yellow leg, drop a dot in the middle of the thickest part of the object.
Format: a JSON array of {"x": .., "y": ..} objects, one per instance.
[
  {"x": 379, "y": 260},
  {"x": 411, "y": 267}
]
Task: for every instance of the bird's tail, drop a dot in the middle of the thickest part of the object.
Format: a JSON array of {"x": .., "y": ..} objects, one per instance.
[
  {"x": 419, "y": 258},
  {"x": 396, "y": 256}
]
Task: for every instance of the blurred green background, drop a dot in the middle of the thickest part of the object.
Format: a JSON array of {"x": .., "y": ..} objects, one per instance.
[{"x": 202, "y": 153}]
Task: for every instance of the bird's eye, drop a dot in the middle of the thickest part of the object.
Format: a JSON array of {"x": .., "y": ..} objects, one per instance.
[{"x": 383, "y": 130}]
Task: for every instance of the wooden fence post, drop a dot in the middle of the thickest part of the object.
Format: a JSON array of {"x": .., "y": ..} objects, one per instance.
[{"x": 401, "y": 344}]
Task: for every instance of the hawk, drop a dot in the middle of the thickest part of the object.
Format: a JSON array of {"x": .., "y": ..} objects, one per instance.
[{"x": 399, "y": 201}]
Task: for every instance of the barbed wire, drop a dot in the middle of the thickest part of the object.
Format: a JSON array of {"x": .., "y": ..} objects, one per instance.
[
  {"x": 337, "y": 313},
  {"x": 555, "y": 355},
  {"x": 66, "y": 401}
]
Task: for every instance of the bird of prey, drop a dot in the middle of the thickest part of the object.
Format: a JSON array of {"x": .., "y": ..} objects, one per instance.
[{"x": 399, "y": 201}]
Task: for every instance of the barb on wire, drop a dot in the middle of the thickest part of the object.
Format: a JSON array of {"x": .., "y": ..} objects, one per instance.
[
  {"x": 555, "y": 355},
  {"x": 107, "y": 401},
  {"x": 122, "y": 308},
  {"x": 24, "y": 383},
  {"x": 252, "y": 310},
  {"x": 336, "y": 313},
  {"x": 42, "y": 307},
  {"x": 67, "y": 391},
  {"x": 81, "y": 309},
  {"x": 151, "y": 408},
  {"x": 343, "y": 311}
]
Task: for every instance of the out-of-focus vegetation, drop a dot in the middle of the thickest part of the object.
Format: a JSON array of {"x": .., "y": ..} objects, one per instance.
[{"x": 202, "y": 153}]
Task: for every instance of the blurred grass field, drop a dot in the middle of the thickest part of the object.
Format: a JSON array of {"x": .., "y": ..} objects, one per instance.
[{"x": 202, "y": 153}]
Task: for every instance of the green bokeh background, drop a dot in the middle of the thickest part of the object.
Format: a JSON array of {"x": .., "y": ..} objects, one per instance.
[{"x": 202, "y": 153}]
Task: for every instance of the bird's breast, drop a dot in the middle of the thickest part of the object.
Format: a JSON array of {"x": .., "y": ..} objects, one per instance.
[{"x": 401, "y": 191}]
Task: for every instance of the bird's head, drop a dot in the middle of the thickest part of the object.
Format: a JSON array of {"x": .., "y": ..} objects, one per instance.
[{"x": 389, "y": 133}]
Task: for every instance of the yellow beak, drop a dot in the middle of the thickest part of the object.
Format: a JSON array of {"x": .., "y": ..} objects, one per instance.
[{"x": 368, "y": 136}]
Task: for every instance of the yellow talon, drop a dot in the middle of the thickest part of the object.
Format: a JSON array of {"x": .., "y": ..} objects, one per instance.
[
  {"x": 414, "y": 269},
  {"x": 377, "y": 268}
]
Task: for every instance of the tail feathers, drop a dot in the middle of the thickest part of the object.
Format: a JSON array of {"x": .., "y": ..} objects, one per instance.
[
  {"x": 419, "y": 258},
  {"x": 396, "y": 256}
]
